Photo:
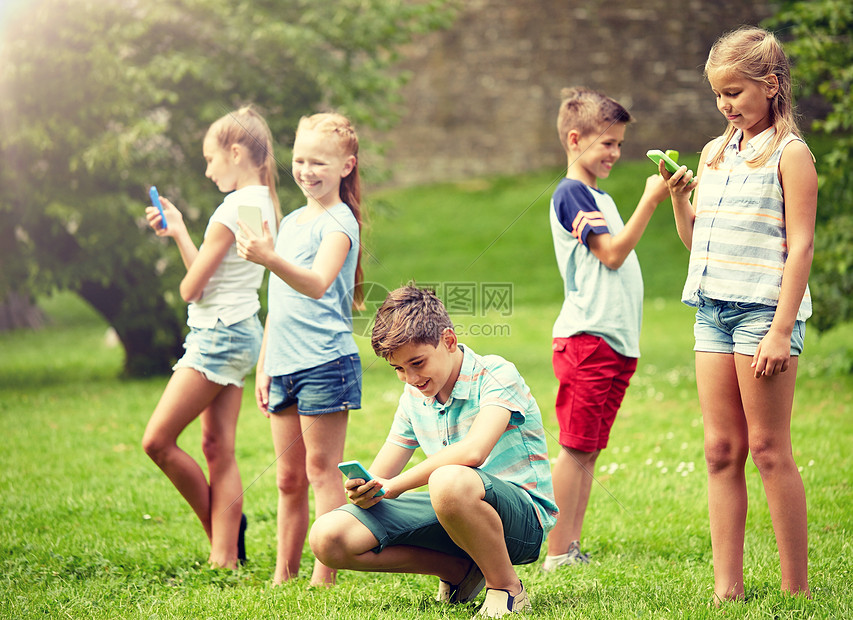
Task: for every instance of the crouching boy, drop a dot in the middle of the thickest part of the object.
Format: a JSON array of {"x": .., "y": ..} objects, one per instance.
[{"x": 489, "y": 501}]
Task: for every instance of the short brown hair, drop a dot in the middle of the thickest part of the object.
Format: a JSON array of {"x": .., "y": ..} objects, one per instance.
[
  {"x": 408, "y": 315},
  {"x": 586, "y": 110}
]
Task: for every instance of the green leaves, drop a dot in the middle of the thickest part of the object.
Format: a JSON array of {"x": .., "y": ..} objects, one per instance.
[
  {"x": 99, "y": 100},
  {"x": 820, "y": 46}
]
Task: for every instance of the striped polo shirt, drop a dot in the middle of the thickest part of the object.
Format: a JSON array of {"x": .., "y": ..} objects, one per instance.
[
  {"x": 739, "y": 240},
  {"x": 520, "y": 455}
]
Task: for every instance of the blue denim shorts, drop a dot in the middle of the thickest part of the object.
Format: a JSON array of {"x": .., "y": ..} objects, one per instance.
[
  {"x": 411, "y": 520},
  {"x": 738, "y": 327},
  {"x": 334, "y": 386},
  {"x": 224, "y": 354}
]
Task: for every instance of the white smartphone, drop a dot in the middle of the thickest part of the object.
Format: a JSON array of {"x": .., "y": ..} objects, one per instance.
[
  {"x": 656, "y": 155},
  {"x": 354, "y": 469},
  {"x": 250, "y": 215}
]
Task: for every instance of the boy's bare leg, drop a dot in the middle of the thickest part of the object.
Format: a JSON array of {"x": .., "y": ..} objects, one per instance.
[
  {"x": 572, "y": 476},
  {"x": 457, "y": 495},
  {"x": 341, "y": 541}
]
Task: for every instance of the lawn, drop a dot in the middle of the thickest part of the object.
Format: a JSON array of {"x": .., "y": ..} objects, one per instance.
[{"x": 92, "y": 529}]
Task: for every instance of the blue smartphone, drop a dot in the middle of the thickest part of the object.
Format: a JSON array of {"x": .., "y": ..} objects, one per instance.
[
  {"x": 354, "y": 469},
  {"x": 155, "y": 200}
]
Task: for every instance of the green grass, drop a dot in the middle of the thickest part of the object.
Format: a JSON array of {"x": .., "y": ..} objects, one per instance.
[{"x": 92, "y": 529}]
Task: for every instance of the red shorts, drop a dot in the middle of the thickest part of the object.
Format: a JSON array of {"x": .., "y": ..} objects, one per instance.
[{"x": 593, "y": 379}]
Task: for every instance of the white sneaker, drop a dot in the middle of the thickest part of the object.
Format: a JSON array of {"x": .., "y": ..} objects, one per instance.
[
  {"x": 572, "y": 558},
  {"x": 464, "y": 591},
  {"x": 500, "y": 603}
]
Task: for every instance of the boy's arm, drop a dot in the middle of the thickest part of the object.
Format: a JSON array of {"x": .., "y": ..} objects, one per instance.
[
  {"x": 471, "y": 451},
  {"x": 612, "y": 250}
]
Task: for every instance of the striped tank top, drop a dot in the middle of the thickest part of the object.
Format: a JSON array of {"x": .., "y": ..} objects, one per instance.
[{"x": 739, "y": 240}]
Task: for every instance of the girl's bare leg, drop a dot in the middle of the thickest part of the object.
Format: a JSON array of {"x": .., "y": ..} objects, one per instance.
[
  {"x": 768, "y": 402},
  {"x": 172, "y": 415},
  {"x": 324, "y": 437},
  {"x": 219, "y": 430},
  {"x": 292, "y": 482},
  {"x": 726, "y": 449}
]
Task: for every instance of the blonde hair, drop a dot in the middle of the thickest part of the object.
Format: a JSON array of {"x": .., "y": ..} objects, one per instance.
[
  {"x": 756, "y": 54},
  {"x": 339, "y": 128},
  {"x": 248, "y": 128},
  {"x": 587, "y": 110},
  {"x": 409, "y": 315}
]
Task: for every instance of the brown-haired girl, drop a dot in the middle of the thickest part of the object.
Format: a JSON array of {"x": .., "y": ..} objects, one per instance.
[{"x": 225, "y": 333}]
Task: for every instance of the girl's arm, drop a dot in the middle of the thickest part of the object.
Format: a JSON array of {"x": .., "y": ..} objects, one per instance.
[
  {"x": 799, "y": 186},
  {"x": 262, "y": 379},
  {"x": 312, "y": 282},
  {"x": 205, "y": 261},
  {"x": 200, "y": 264},
  {"x": 682, "y": 208}
]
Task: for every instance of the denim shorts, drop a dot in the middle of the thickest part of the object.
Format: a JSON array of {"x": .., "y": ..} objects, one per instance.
[
  {"x": 411, "y": 520},
  {"x": 224, "y": 354},
  {"x": 738, "y": 327},
  {"x": 334, "y": 386}
]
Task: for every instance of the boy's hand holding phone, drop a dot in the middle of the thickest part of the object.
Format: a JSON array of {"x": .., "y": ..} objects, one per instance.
[{"x": 363, "y": 494}]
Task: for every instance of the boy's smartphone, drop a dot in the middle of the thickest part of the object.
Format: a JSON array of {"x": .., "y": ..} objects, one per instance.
[
  {"x": 354, "y": 469},
  {"x": 656, "y": 155},
  {"x": 250, "y": 215},
  {"x": 155, "y": 200}
]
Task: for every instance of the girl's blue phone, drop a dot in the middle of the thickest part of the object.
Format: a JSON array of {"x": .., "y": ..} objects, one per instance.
[
  {"x": 354, "y": 469},
  {"x": 155, "y": 200}
]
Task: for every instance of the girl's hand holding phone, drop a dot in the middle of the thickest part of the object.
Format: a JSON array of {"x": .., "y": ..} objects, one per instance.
[
  {"x": 252, "y": 247},
  {"x": 174, "y": 219},
  {"x": 679, "y": 182}
]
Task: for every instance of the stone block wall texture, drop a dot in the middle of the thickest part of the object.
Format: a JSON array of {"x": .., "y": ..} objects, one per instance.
[{"x": 483, "y": 95}]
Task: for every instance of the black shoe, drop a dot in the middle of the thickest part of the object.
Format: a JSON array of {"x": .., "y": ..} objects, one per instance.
[{"x": 241, "y": 540}]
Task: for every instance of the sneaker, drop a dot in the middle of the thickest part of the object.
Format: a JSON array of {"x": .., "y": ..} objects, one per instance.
[
  {"x": 571, "y": 558},
  {"x": 499, "y": 603},
  {"x": 464, "y": 591},
  {"x": 241, "y": 540}
]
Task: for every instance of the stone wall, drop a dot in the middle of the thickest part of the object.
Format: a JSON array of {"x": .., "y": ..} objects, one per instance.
[{"x": 483, "y": 96}]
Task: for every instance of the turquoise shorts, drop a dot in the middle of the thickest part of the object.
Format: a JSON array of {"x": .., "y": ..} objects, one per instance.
[{"x": 411, "y": 520}]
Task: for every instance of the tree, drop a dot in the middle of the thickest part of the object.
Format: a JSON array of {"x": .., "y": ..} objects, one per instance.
[
  {"x": 819, "y": 43},
  {"x": 99, "y": 99}
]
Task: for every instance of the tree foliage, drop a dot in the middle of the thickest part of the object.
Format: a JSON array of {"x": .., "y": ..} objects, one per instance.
[
  {"x": 819, "y": 36},
  {"x": 101, "y": 98}
]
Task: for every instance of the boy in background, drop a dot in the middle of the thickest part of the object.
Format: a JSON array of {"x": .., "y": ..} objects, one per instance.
[
  {"x": 489, "y": 502},
  {"x": 596, "y": 336}
]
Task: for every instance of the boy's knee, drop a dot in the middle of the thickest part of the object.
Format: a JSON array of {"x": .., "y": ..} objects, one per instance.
[{"x": 454, "y": 485}]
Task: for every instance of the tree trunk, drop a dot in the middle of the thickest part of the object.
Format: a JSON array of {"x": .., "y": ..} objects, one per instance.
[
  {"x": 148, "y": 328},
  {"x": 18, "y": 311}
]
